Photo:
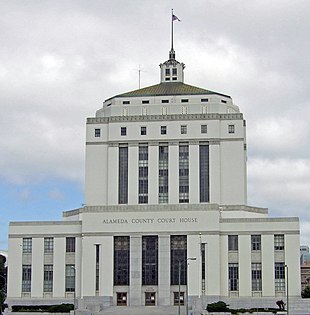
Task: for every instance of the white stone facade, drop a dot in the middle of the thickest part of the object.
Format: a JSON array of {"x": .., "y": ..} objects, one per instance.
[{"x": 220, "y": 231}]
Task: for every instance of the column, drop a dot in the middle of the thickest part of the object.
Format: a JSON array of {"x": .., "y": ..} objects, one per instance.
[
  {"x": 59, "y": 267},
  {"x": 106, "y": 266},
  {"x": 268, "y": 288},
  {"x": 153, "y": 174},
  {"x": 245, "y": 279},
  {"x": 163, "y": 270},
  {"x": 37, "y": 267},
  {"x": 135, "y": 270},
  {"x": 133, "y": 174},
  {"x": 173, "y": 171},
  {"x": 113, "y": 175},
  {"x": 15, "y": 267},
  {"x": 215, "y": 172},
  {"x": 194, "y": 172}
]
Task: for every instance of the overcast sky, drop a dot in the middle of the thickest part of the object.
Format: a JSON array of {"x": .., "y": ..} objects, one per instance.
[{"x": 60, "y": 59}]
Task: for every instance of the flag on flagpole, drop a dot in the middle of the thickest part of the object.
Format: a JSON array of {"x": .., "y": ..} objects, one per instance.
[{"x": 175, "y": 18}]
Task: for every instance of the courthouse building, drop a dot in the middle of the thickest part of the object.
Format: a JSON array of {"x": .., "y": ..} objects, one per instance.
[{"x": 165, "y": 205}]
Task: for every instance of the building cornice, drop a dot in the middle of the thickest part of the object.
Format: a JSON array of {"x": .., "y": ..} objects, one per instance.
[{"x": 214, "y": 116}]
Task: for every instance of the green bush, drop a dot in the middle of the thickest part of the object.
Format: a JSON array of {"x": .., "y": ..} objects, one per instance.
[
  {"x": 219, "y": 306},
  {"x": 59, "y": 308}
]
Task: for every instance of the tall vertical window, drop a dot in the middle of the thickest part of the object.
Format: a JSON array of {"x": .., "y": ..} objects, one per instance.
[
  {"x": 233, "y": 277},
  {"x": 97, "y": 249},
  {"x": 48, "y": 245},
  {"x": 26, "y": 278},
  {"x": 183, "y": 173},
  {"x": 279, "y": 241},
  {"x": 70, "y": 244},
  {"x": 27, "y": 245},
  {"x": 149, "y": 260},
  {"x": 256, "y": 242},
  {"x": 178, "y": 256},
  {"x": 70, "y": 278},
  {"x": 256, "y": 276},
  {"x": 121, "y": 260},
  {"x": 163, "y": 173},
  {"x": 204, "y": 172},
  {"x": 48, "y": 278},
  {"x": 203, "y": 267},
  {"x": 123, "y": 175},
  {"x": 279, "y": 275},
  {"x": 143, "y": 173},
  {"x": 232, "y": 242}
]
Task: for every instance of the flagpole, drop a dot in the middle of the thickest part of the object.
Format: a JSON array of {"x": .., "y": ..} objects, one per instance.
[{"x": 171, "y": 29}]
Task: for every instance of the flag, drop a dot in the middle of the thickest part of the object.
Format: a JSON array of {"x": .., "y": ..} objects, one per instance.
[{"x": 174, "y": 18}]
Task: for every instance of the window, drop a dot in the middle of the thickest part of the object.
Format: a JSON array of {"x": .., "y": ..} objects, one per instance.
[
  {"x": 121, "y": 260},
  {"x": 48, "y": 245},
  {"x": 256, "y": 242},
  {"x": 232, "y": 242},
  {"x": 178, "y": 256},
  {"x": 145, "y": 101},
  {"x": 121, "y": 298},
  {"x": 184, "y": 109},
  {"x": 164, "y": 110},
  {"x": 176, "y": 298},
  {"x": 167, "y": 72},
  {"x": 204, "y": 128},
  {"x": 70, "y": 244},
  {"x": 70, "y": 278},
  {"x": 165, "y": 101},
  {"x": 256, "y": 276},
  {"x": 231, "y": 128},
  {"x": 163, "y": 130},
  {"x": 183, "y": 129},
  {"x": 204, "y": 172},
  {"x": 279, "y": 276},
  {"x": 143, "y": 131},
  {"x": 97, "y": 250},
  {"x": 26, "y": 278},
  {"x": 204, "y": 100},
  {"x": 184, "y": 100},
  {"x": 163, "y": 173},
  {"x": 123, "y": 131},
  {"x": 149, "y": 260},
  {"x": 223, "y": 101},
  {"x": 126, "y": 102},
  {"x": 27, "y": 245},
  {"x": 97, "y": 133},
  {"x": 279, "y": 242},
  {"x": 183, "y": 173},
  {"x": 123, "y": 175},
  {"x": 174, "y": 71},
  {"x": 150, "y": 298},
  {"x": 233, "y": 277},
  {"x": 48, "y": 278},
  {"x": 143, "y": 173}
]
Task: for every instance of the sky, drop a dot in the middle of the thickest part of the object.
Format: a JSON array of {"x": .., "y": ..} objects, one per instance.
[{"x": 60, "y": 59}]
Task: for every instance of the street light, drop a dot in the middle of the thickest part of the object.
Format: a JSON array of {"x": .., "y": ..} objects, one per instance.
[
  {"x": 180, "y": 263},
  {"x": 286, "y": 277}
]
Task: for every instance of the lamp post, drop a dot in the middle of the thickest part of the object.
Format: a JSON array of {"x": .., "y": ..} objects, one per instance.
[
  {"x": 286, "y": 277},
  {"x": 180, "y": 263}
]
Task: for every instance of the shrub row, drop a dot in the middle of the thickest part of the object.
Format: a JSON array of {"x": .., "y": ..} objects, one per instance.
[
  {"x": 59, "y": 308},
  {"x": 223, "y": 307}
]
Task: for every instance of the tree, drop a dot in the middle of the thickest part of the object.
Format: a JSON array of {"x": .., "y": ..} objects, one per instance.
[
  {"x": 306, "y": 292},
  {"x": 3, "y": 282}
]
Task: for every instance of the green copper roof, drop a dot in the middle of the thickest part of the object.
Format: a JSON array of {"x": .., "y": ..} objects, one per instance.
[{"x": 171, "y": 88}]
